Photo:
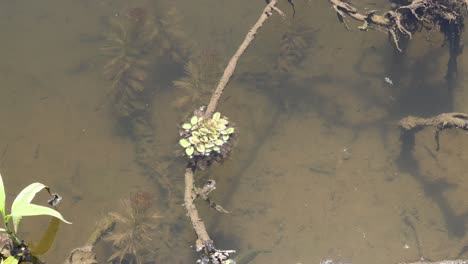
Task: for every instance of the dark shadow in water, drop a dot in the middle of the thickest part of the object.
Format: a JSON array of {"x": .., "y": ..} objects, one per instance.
[
  {"x": 248, "y": 160},
  {"x": 406, "y": 162},
  {"x": 421, "y": 95}
]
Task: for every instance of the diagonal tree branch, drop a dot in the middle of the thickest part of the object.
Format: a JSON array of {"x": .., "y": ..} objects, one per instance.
[{"x": 204, "y": 242}]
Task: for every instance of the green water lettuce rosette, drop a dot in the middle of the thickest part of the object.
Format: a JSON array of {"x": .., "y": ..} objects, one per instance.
[{"x": 206, "y": 138}]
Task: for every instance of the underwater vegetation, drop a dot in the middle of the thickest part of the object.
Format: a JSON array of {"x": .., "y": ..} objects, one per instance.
[
  {"x": 295, "y": 41},
  {"x": 128, "y": 44},
  {"x": 206, "y": 141},
  {"x": 131, "y": 240},
  {"x": 136, "y": 40},
  {"x": 202, "y": 72},
  {"x": 281, "y": 77}
]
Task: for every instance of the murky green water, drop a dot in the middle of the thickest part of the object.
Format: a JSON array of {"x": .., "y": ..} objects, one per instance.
[{"x": 318, "y": 171}]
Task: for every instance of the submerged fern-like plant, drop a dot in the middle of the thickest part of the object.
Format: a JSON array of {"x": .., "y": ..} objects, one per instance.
[
  {"x": 201, "y": 74},
  {"x": 135, "y": 40},
  {"x": 294, "y": 44},
  {"x": 135, "y": 227}
]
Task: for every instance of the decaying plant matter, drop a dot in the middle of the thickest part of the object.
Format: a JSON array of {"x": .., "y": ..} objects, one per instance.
[
  {"x": 85, "y": 254},
  {"x": 410, "y": 16},
  {"x": 441, "y": 122}
]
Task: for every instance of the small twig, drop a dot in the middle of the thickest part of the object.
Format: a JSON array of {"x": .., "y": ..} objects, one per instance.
[
  {"x": 203, "y": 193},
  {"x": 390, "y": 22},
  {"x": 205, "y": 190},
  {"x": 103, "y": 227}
]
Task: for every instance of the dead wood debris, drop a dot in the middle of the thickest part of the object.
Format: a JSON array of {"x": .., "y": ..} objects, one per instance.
[
  {"x": 410, "y": 17},
  {"x": 203, "y": 193},
  {"x": 85, "y": 254},
  {"x": 441, "y": 122},
  {"x": 204, "y": 242},
  {"x": 455, "y": 261},
  {"x": 82, "y": 255}
]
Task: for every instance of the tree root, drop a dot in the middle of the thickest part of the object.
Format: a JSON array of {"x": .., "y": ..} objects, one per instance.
[
  {"x": 441, "y": 122},
  {"x": 407, "y": 19}
]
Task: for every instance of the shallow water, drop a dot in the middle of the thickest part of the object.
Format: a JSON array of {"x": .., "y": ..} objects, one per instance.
[{"x": 318, "y": 171}]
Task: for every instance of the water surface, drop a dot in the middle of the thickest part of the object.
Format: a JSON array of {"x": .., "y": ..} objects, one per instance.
[{"x": 318, "y": 172}]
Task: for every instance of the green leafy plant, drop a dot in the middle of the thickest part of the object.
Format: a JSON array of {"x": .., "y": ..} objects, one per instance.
[
  {"x": 201, "y": 137},
  {"x": 206, "y": 140},
  {"x": 21, "y": 207}
]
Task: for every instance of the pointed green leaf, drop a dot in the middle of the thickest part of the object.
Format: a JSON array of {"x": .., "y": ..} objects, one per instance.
[
  {"x": 24, "y": 198},
  {"x": 189, "y": 151},
  {"x": 34, "y": 209},
  {"x": 184, "y": 143},
  {"x": 22, "y": 205},
  {"x": 2, "y": 197}
]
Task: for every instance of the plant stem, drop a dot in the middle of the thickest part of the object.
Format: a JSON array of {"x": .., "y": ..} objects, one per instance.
[{"x": 12, "y": 235}]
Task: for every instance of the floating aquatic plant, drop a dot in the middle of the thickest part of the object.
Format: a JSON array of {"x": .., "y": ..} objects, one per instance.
[{"x": 206, "y": 140}]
